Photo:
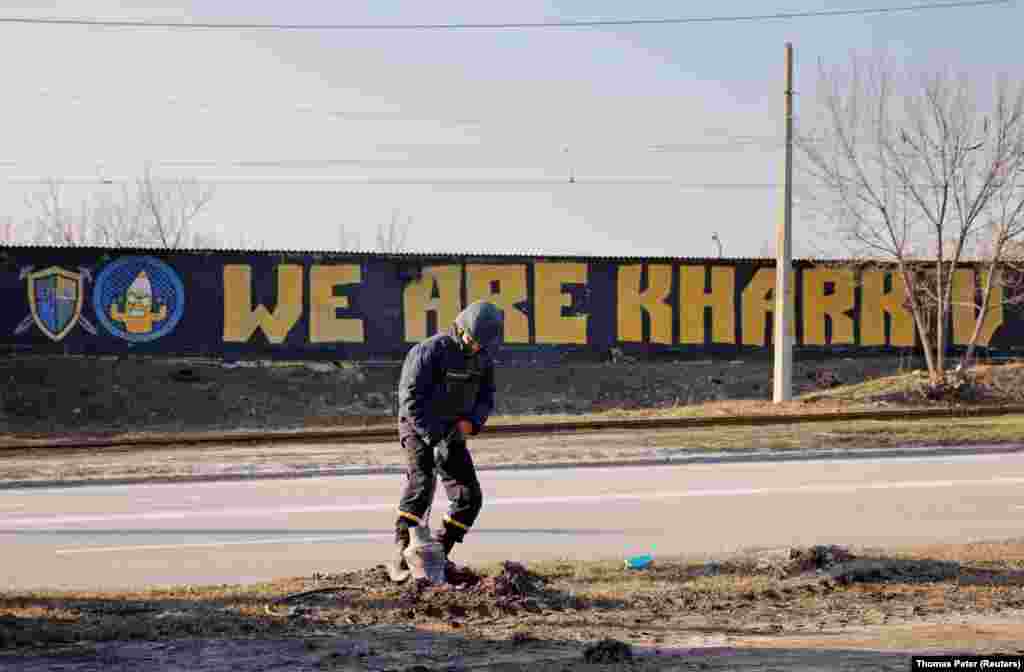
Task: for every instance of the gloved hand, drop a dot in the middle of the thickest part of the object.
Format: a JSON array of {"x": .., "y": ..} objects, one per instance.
[{"x": 465, "y": 427}]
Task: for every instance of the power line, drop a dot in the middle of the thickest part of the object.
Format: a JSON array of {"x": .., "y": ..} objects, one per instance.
[
  {"x": 593, "y": 23},
  {"x": 357, "y": 180},
  {"x": 387, "y": 163},
  {"x": 765, "y": 143}
]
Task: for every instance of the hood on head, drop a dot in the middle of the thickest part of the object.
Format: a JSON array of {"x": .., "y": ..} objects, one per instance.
[{"x": 484, "y": 321}]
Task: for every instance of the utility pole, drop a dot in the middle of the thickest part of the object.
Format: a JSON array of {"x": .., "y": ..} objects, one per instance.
[{"x": 783, "y": 314}]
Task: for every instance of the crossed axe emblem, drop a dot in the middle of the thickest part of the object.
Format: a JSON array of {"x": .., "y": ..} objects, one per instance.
[{"x": 86, "y": 275}]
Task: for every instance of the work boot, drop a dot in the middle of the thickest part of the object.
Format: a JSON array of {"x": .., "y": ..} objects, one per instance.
[
  {"x": 398, "y": 568},
  {"x": 425, "y": 556}
]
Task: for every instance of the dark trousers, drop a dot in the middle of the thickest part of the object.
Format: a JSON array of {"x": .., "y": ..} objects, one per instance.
[{"x": 455, "y": 468}]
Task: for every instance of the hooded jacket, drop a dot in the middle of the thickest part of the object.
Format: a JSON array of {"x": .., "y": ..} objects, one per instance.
[{"x": 442, "y": 381}]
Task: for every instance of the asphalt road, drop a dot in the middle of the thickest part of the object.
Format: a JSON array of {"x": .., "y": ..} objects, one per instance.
[{"x": 211, "y": 533}]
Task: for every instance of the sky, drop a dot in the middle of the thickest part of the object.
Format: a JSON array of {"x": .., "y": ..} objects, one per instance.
[{"x": 673, "y": 133}]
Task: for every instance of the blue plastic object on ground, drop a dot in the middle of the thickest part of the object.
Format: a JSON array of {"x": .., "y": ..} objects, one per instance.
[{"x": 639, "y": 561}]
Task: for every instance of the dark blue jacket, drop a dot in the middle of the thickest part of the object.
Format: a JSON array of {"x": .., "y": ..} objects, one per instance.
[{"x": 435, "y": 376}]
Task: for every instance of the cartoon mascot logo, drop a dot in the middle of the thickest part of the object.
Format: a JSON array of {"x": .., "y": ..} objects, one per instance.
[
  {"x": 139, "y": 299},
  {"x": 55, "y": 297}
]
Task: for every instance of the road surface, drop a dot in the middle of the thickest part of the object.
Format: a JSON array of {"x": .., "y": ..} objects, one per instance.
[{"x": 240, "y": 532}]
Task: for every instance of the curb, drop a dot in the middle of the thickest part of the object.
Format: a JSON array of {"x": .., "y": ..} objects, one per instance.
[
  {"x": 683, "y": 460},
  {"x": 382, "y": 435}
]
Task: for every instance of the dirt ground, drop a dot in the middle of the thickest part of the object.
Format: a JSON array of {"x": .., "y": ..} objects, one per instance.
[
  {"x": 52, "y": 400},
  {"x": 48, "y": 396},
  {"x": 792, "y": 608}
]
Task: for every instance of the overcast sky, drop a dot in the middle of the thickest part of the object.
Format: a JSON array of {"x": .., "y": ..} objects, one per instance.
[{"x": 259, "y": 113}]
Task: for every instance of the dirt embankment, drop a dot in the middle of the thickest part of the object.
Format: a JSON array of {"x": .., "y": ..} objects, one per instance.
[
  {"x": 47, "y": 395},
  {"x": 819, "y": 607}
]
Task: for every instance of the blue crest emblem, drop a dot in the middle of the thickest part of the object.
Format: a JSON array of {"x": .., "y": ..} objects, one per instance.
[
  {"x": 55, "y": 297},
  {"x": 139, "y": 299}
]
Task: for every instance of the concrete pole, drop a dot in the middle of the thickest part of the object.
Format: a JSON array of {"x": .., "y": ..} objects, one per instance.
[{"x": 783, "y": 314}]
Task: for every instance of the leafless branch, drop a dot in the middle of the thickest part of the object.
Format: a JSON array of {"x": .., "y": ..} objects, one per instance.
[
  {"x": 347, "y": 240},
  {"x": 393, "y": 239},
  {"x": 170, "y": 207},
  {"x": 150, "y": 213},
  {"x": 915, "y": 173},
  {"x": 8, "y": 230}
]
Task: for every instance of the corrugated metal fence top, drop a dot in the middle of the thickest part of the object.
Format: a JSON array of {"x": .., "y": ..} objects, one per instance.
[{"x": 520, "y": 255}]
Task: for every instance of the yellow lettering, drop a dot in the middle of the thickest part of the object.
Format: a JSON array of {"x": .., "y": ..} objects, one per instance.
[
  {"x": 419, "y": 298},
  {"x": 324, "y": 324},
  {"x": 756, "y": 305},
  {"x": 504, "y": 285},
  {"x": 876, "y": 303},
  {"x": 240, "y": 318},
  {"x": 817, "y": 305},
  {"x": 965, "y": 308},
  {"x": 757, "y": 302},
  {"x": 993, "y": 314},
  {"x": 693, "y": 299},
  {"x": 633, "y": 303},
  {"x": 551, "y": 325}
]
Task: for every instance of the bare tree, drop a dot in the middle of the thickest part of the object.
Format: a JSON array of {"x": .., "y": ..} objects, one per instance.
[
  {"x": 244, "y": 241},
  {"x": 912, "y": 172},
  {"x": 205, "y": 240},
  {"x": 8, "y": 230},
  {"x": 169, "y": 207},
  {"x": 347, "y": 240},
  {"x": 393, "y": 239},
  {"x": 1002, "y": 253},
  {"x": 97, "y": 220},
  {"x": 151, "y": 212},
  {"x": 114, "y": 221},
  {"x": 51, "y": 221}
]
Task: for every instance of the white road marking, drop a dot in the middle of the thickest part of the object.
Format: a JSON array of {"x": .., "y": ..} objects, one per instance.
[
  {"x": 52, "y": 521},
  {"x": 214, "y": 544}
]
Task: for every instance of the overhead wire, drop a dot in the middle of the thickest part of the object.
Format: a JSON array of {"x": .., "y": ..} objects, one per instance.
[
  {"x": 745, "y": 143},
  {"x": 391, "y": 164},
  {"x": 581, "y": 181},
  {"x": 516, "y": 25}
]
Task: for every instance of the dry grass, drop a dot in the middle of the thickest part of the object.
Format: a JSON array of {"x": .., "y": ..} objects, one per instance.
[
  {"x": 1004, "y": 553},
  {"x": 714, "y": 409},
  {"x": 568, "y": 600},
  {"x": 847, "y": 434},
  {"x": 26, "y": 464},
  {"x": 813, "y": 403},
  {"x": 966, "y": 637},
  {"x": 1000, "y": 383},
  {"x": 869, "y": 390}
]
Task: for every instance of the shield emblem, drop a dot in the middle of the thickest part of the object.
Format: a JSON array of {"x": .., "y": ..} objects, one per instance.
[{"x": 55, "y": 296}]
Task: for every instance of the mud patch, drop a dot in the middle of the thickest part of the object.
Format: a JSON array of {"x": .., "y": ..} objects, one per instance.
[
  {"x": 608, "y": 651},
  {"x": 817, "y": 558},
  {"x": 888, "y": 570},
  {"x": 785, "y": 563},
  {"x": 841, "y": 566}
]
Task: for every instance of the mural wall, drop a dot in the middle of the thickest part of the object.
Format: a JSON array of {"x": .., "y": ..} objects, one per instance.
[{"x": 338, "y": 306}]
